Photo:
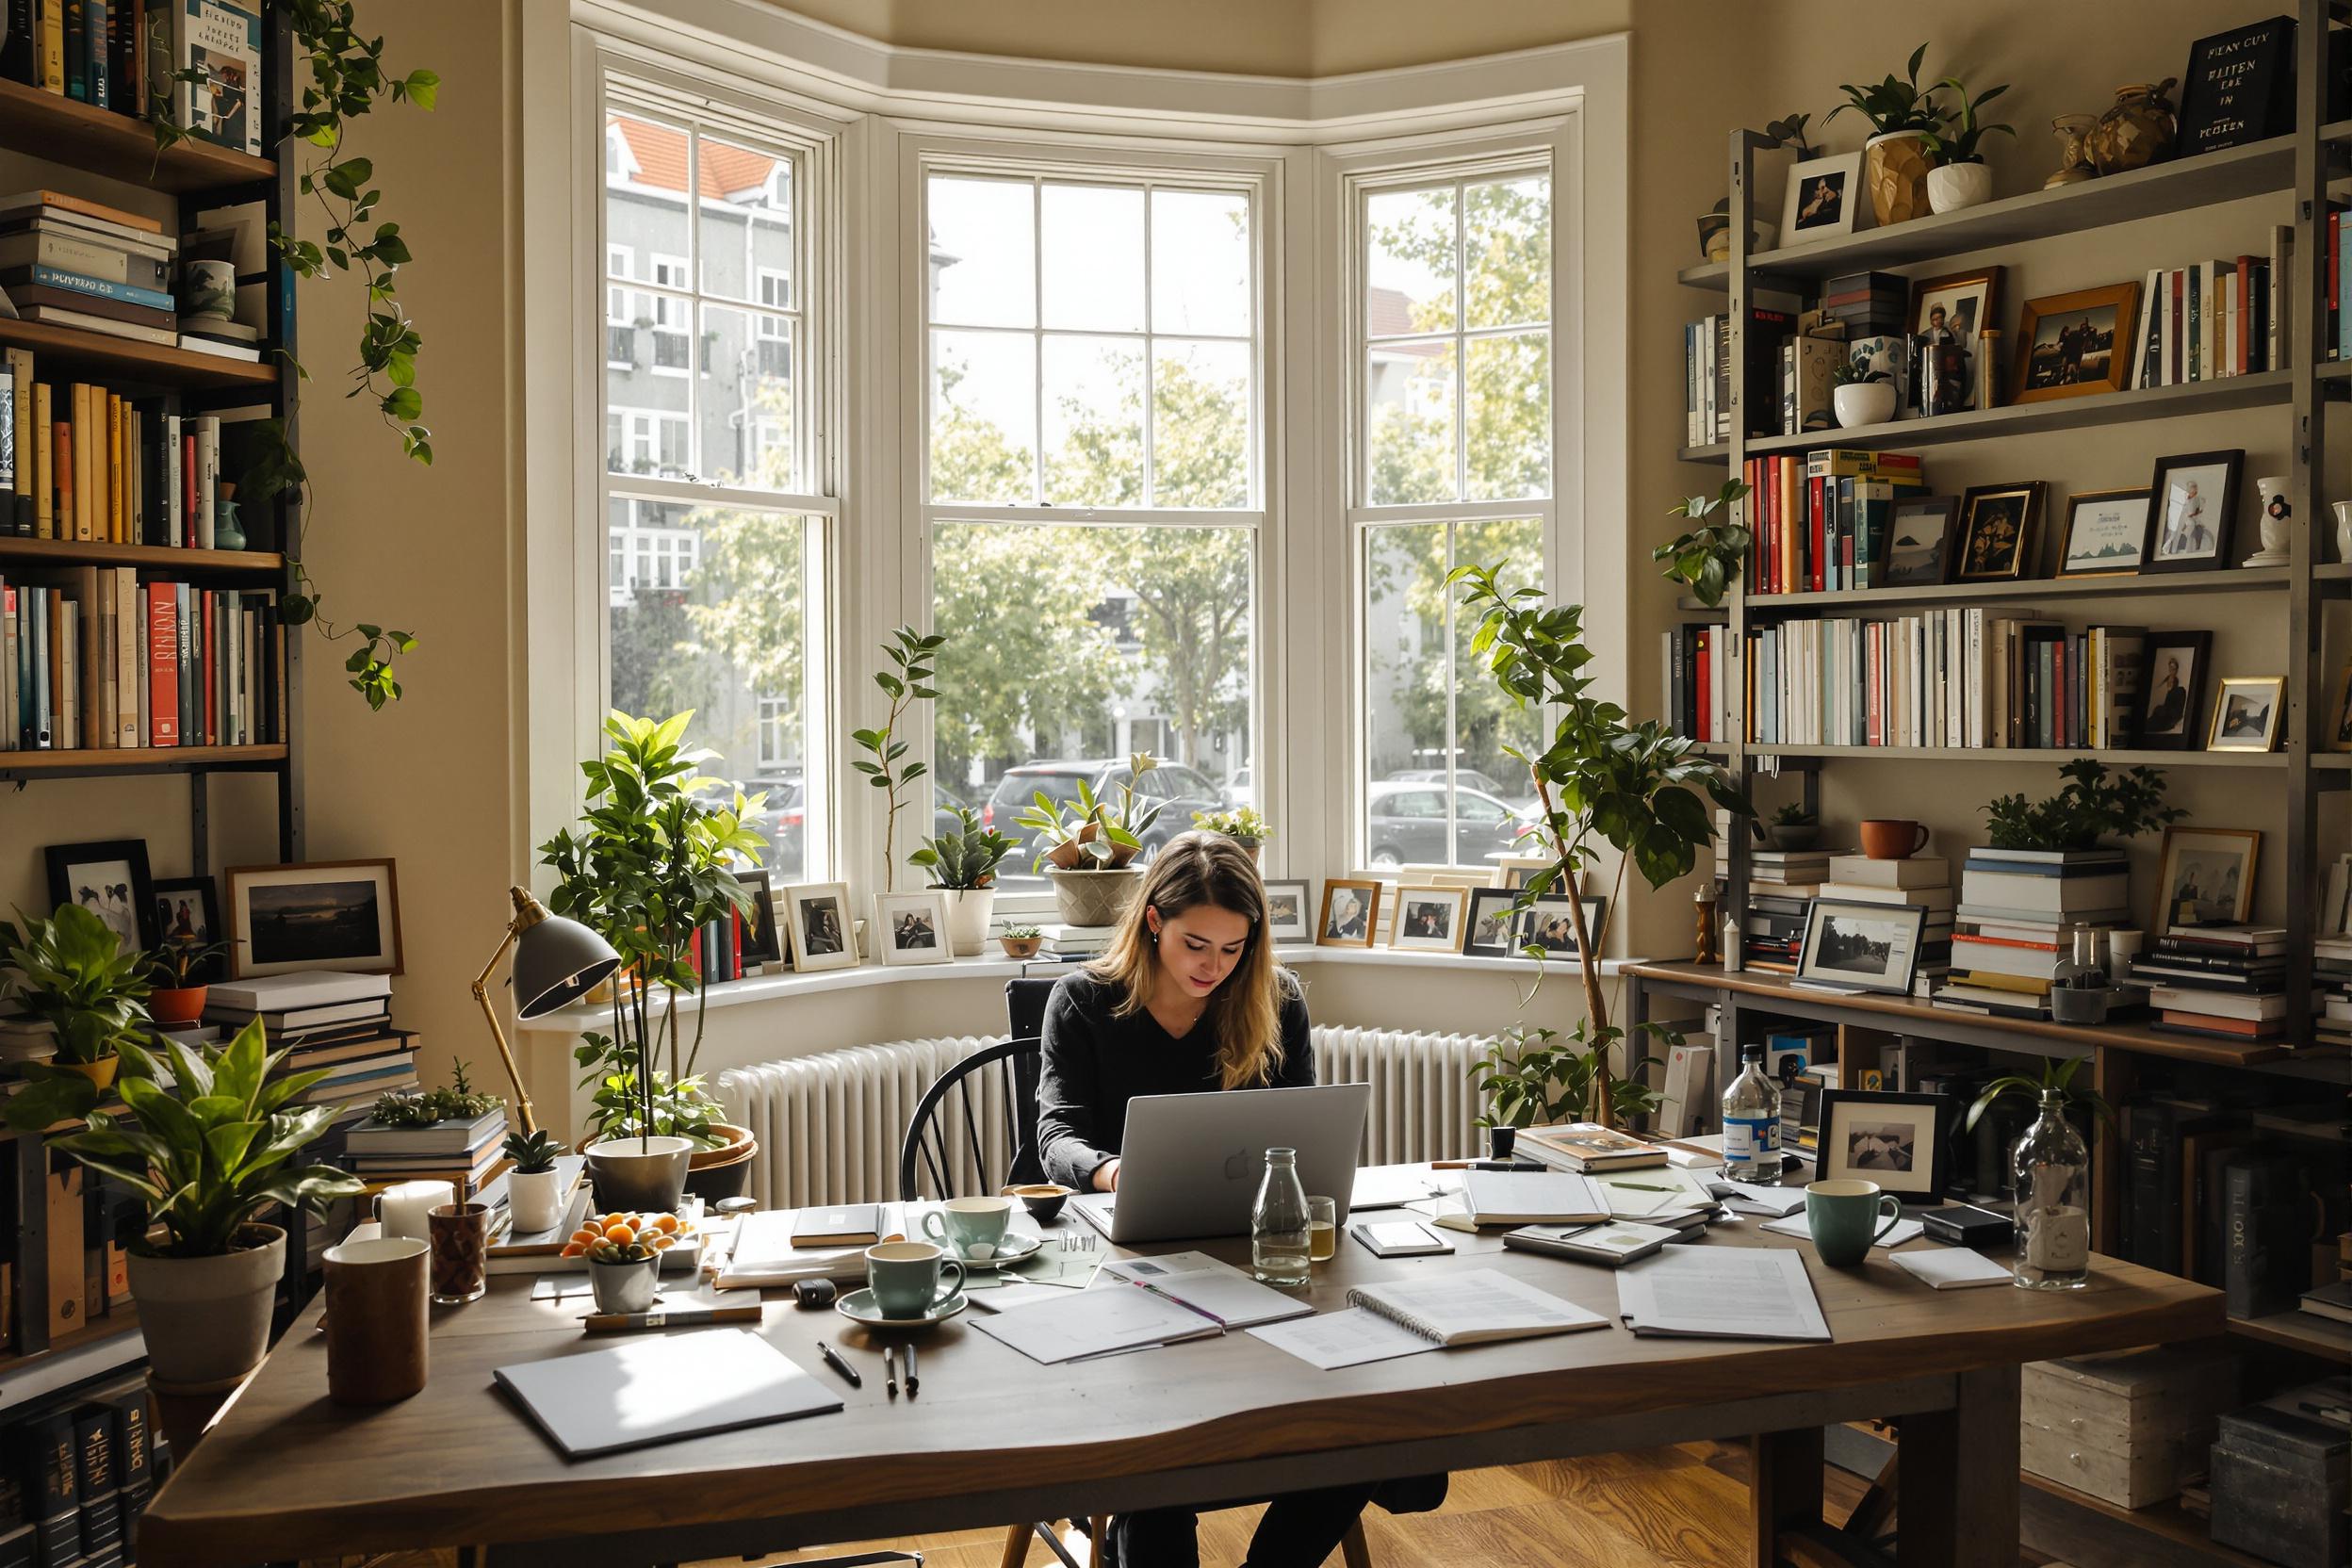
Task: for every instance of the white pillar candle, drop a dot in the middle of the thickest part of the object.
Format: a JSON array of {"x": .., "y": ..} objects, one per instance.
[{"x": 403, "y": 1205}]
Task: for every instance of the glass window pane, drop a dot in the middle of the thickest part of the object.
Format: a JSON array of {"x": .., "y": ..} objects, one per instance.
[
  {"x": 1485, "y": 720},
  {"x": 1093, "y": 257},
  {"x": 984, "y": 265},
  {"x": 1050, "y": 691},
  {"x": 747, "y": 213},
  {"x": 1507, "y": 382},
  {"x": 746, "y": 403},
  {"x": 1200, "y": 430},
  {"x": 1200, "y": 263},
  {"x": 984, "y": 417},
  {"x": 1093, "y": 421},
  {"x": 1408, "y": 266},
  {"x": 1404, "y": 717},
  {"x": 1506, "y": 251},
  {"x": 1408, "y": 423},
  {"x": 644, "y": 189}
]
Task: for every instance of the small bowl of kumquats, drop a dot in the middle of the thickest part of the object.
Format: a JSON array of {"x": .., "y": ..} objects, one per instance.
[{"x": 619, "y": 1236}]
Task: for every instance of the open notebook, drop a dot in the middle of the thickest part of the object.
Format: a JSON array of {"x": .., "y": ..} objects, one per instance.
[
  {"x": 663, "y": 1387},
  {"x": 1473, "y": 1308}
]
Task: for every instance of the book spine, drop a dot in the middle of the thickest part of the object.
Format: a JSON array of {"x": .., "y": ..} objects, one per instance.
[
  {"x": 99, "y": 288},
  {"x": 53, "y": 45},
  {"x": 44, "y": 464},
  {"x": 207, "y": 477}
]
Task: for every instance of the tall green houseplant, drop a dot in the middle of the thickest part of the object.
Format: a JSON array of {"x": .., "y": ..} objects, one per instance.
[{"x": 1603, "y": 781}]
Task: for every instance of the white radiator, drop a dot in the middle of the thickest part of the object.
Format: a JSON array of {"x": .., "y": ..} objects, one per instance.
[{"x": 830, "y": 1124}]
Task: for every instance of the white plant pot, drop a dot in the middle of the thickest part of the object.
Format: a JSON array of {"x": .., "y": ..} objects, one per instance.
[
  {"x": 1954, "y": 185},
  {"x": 536, "y": 1199},
  {"x": 207, "y": 1320},
  {"x": 968, "y": 911},
  {"x": 1863, "y": 402}
]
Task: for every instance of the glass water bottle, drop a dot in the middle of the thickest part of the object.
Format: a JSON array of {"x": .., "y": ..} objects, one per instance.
[
  {"x": 1752, "y": 1121},
  {"x": 2052, "y": 1168},
  {"x": 1278, "y": 1243}
]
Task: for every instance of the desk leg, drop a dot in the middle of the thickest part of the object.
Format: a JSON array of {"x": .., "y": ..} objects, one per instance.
[
  {"x": 1959, "y": 1504},
  {"x": 1783, "y": 1488}
]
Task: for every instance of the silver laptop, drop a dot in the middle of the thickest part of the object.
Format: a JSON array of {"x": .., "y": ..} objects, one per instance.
[{"x": 1190, "y": 1163}]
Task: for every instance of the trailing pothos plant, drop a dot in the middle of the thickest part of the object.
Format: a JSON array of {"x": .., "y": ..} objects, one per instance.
[
  {"x": 1635, "y": 787},
  {"x": 347, "y": 80},
  {"x": 1708, "y": 557}
]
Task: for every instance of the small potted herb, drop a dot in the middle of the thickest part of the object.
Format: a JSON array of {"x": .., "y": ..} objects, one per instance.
[
  {"x": 532, "y": 1191},
  {"x": 1088, "y": 842},
  {"x": 1794, "y": 827},
  {"x": 1022, "y": 941},
  {"x": 179, "y": 972},
  {"x": 71, "y": 972},
  {"x": 963, "y": 865},
  {"x": 1961, "y": 178},
  {"x": 1240, "y": 823},
  {"x": 1861, "y": 395}
]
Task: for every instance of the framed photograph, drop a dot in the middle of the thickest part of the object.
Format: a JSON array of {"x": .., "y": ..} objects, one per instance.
[
  {"x": 2069, "y": 343},
  {"x": 2335, "y": 731},
  {"x": 1430, "y": 919},
  {"x": 1919, "y": 542},
  {"x": 2173, "y": 689},
  {"x": 1999, "y": 535},
  {"x": 763, "y": 940},
  {"x": 912, "y": 927},
  {"x": 111, "y": 880},
  {"x": 1352, "y": 913},
  {"x": 326, "y": 914},
  {"x": 816, "y": 916},
  {"x": 1287, "y": 916},
  {"x": 1893, "y": 1139},
  {"x": 2205, "y": 876},
  {"x": 1825, "y": 198},
  {"x": 1849, "y": 945},
  {"x": 2106, "y": 533},
  {"x": 1963, "y": 305},
  {"x": 187, "y": 913},
  {"x": 2196, "y": 501},
  {"x": 2245, "y": 712},
  {"x": 1550, "y": 925},
  {"x": 1487, "y": 927}
]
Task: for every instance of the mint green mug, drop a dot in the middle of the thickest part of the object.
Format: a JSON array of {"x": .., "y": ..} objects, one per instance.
[
  {"x": 1844, "y": 1219},
  {"x": 906, "y": 1278}
]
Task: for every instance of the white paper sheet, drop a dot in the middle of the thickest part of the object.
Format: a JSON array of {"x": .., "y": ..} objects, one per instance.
[
  {"x": 1777, "y": 1201},
  {"x": 1098, "y": 1322},
  {"x": 1720, "y": 1293},
  {"x": 1349, "y": 1337},
  {"x": 1954, "y": 1269},
  {"x": 1904, "y": 1229}
]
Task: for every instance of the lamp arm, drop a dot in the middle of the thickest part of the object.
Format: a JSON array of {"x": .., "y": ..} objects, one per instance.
[{"x": 490, "y": 1015}]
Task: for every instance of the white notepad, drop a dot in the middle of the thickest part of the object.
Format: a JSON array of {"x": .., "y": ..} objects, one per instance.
[
  {"x": 657, "y": 1388},
  {"x": 1473, "y": 1308},
  {"x": 1098, "y": 1322},
  {"x": 1777, "y": 1201},
  {"x": 1954, "y": 1268},
  {"x": 1215, "y": 1290},
  {"x": 1350, "y": 1337},
  {"x": 1796, "y": 1225},
  {"x": 1720, "y": 1293},
  {"x": 1531, "y": 1197}
]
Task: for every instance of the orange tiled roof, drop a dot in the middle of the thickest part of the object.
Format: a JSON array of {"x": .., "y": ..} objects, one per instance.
[{"x": 660, "y": 155}]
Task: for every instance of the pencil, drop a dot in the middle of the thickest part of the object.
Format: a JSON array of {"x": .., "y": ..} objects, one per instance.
[{"x": 889, "y": 1367}]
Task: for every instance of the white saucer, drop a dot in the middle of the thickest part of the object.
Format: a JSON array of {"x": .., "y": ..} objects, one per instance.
[
  {"x": 1014, "y": 1249},
  {"x": 857, "y": 1306}
]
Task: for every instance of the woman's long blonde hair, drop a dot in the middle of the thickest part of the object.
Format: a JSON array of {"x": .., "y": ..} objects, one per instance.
[{"x": 1196, "y": 869}]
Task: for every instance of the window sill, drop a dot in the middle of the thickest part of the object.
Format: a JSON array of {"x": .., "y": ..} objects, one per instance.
[{"x": 778, "y": 988}]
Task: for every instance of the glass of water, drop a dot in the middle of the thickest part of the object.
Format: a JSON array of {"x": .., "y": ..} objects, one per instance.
[{"x": 1322, "y": 1229}]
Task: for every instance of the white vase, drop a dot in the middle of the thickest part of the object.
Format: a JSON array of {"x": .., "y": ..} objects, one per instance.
[
  {"x": 2277, "y": 517},
  {"x": 1863, "y": 402},
  {"x": 2344, "y": 530},
  {"x": 968, "y": 911},
  {"x": 207, "y": 1320},
  {"x": 537, "y": 1202},
  {"x": 1954, "y": 185}
]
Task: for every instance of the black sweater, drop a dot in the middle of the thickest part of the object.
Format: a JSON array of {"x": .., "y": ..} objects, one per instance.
[{"x": 1095, "y": 1063}]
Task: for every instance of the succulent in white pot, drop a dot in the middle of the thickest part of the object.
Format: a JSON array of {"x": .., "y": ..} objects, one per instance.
[
  {"x": 963, "y": 866},
  {"x": 1961, "y": 177},
  {"x": 532, "y": 1189}
]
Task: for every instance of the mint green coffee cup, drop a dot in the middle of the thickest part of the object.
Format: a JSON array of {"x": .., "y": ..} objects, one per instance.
[
  {"x": 906, "y": 1278},
  {"x": 1844, "y": 1218}
]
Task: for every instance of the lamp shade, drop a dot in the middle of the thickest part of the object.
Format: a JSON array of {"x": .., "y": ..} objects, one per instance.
[{"x": 557, "y": 961}]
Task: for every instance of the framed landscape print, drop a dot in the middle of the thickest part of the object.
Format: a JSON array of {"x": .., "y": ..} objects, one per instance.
[
  {"x": 2106, "y": 533},
  {"x": 109, "y": 880},
  {"x": 1352, "y": 913},
  {"x": 2245, "y": 712},
  {"x": 1430, "y": 919},
  {"x": 1823, "y": 198},
  {"x": 1850, "y": 945},
  {"x": 2205, "y": 876},
  {"x": 2195, "y": 502},
  {"x": 188, "y": 914},
  {"x": 911, "y": 927},
  {"x": 1999, "y": 535},
  {"x": 1893, "y": 1139},
  {"x": 1919, "y": 542},
  {"x": 328, "y": 914},
  {"x": 1288, "y": 916},
  {"x": 2172, "y": 687},
  {"x": 2069, "y": 342}
]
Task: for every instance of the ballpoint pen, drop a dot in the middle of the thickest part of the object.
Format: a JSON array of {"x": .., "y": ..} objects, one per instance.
[
  {"x": 838, "y": 1365},
  {"x": 889, "y": 1367},
  {"x": 912, "y": 1383}
]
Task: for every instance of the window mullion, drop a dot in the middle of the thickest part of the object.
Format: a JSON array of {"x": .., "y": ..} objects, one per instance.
[
  {"x": 1462, "y": 358},
  {"x": 1151, "y": 422},
  {"x": 1036, "y": 328}
]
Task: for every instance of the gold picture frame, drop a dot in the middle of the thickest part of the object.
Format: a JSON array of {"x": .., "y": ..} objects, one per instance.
[
  {"x": 2248, "y": 721},
  {"x": 1430, "y": 918},
  {"x": 1350, "y": 916},
  {"x": 2000, "y": 534},
  {"x": 2075, "y": 344},
  {"x": 2205, "y": 876}
]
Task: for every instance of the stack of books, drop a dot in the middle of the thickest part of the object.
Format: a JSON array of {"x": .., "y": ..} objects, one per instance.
[
  {"x": 1587, "y": 1147},
  {"x": 323, "y": 1019},
  {"x": 1922, "y": 882},
  {"x": 1707, "y": 369},
  {"x": 1781, "y": 884},
  {"x": 2218, "y": 980},
  {"x": 1868, "y": 304},
  {"x": 2331, "y": 988},
  {"x": 68, "y": 262},
  {"x": 2213, "y": 320},
  {"x": 2013, "y": 919},
  {"x": 1824, "y": 519},
  {"x": 466, "y": 1154},
  {"x": 1077, "y": 943}
]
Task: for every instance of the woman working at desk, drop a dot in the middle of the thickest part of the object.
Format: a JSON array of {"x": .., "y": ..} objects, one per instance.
[{"x": 1188, "y": 1000}]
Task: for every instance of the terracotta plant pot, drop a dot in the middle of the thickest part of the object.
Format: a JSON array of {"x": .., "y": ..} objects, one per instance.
[
  {"x": 1954, "y": 185},
  {"x": 725, "y": 1171},
  {"x": 100, "y": 1073},
  {"x": 177, "y": 1004},
  {"x": 1894, "y": 168},
  {"x": 1021, "y": 947},
  {"x": 207, "y": 1320},
  {"x": 639, "y": 1173},
  {"x": 968, "y": 911},
  {"x": 1095, "y": 897}
]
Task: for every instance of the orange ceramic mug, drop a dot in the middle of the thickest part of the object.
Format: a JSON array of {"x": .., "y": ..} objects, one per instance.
[{"x": 1892, "y": 838}]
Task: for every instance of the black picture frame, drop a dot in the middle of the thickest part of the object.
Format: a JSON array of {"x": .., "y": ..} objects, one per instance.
[
  {"x": 1982, "y": 509},
  {"x": 1498, "y": 901},
  {"x": 1910, "y": 574},
  {"x": 764, "y": 939},
  {"x": 130, "y": 910},
  {"x": 167, "y": 911},
  {"x": 2082, "y": 500},
  {"x": 1810, "y": 959},
  {"x": 2164, "y": 553},
  {"x": 1915, "y": 1178},
  {"x": 2234, "y": 89},
  {"x": 2156, "y": 728}
]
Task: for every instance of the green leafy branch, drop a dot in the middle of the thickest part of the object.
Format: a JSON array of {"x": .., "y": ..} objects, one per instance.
[
  {"x": 912, "y": 654},
  {"x": 1708, "y": 557}
]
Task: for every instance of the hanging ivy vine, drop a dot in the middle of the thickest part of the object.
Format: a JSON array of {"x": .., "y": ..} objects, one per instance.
[{"x": 346, "y": 81}]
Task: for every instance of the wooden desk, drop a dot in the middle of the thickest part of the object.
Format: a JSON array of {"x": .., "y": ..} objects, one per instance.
[{"x": 995, "y": 1438}]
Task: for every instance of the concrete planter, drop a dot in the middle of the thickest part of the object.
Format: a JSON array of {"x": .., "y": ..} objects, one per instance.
[
  {"x": 207, "y": 1320},
  {"x": 1095, "y": 897},
  {"x": 646, "y": 1174}
]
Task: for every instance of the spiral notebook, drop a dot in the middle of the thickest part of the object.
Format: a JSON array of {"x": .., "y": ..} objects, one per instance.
[{"x": 1473, "y": 1308}]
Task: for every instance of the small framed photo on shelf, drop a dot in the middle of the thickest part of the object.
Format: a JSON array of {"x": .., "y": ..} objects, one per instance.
[
  {"x": 1487, "y": 928},
  {"x": 1963, "y": 305},
  {"x": 2172, "y": 690},
  {"x": 816, "y": 916},
  {"x": 763, "y": 940},
  {"x": 1893, "y": 1139},
  {"x": 2106, "y": 533},
  {"x": 2205, "y": 876},
  {"x": 1286, "y": 911},
  {"x": 1825, "y": 198},
  {"x": 1850, "y": 945},
  {"x": 111, "y": 880},
  {"x": 327, "y": 914},
  {"x": 2195, "y": 502},
  {"x": 1430, "y": 919},
  {"x": 1549, "y": 924},
  {"x": 1352, "y": 913},
  {"x": 2335, "y": 728},
  {"x": 2245, "y": 712},
  {"x": 1919, "y": 542},
  {"x": 188, "y": 914},
  {"x": 1999, "y": 533},
  {"x": 2069, "y": 343},
  {"x": 912, "y": 927}
]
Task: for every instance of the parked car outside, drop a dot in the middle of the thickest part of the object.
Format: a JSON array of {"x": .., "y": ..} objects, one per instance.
[
  {"x": 1519, "y": 799},
  {"x": 1405, "y": 822}
]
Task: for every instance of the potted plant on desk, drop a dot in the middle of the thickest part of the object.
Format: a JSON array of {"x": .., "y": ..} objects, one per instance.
[
  {"x": 180, "y": 974},
  {"x": 963, "y": 866},
  {"x": 71, "y": 972},
  {"x": 532, "y": 1192},
  {"x": 209, "y": 1154}
]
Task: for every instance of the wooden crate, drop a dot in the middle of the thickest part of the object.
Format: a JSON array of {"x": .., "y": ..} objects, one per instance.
[{"x": 2126, "y": 1429}]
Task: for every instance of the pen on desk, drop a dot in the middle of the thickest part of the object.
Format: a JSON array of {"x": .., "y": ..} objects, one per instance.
[
  {"x": 1643, "y": 1186},
  {"x": 838, "y": 1365},
  {"x": 890, "y": 1368},
  {"x": 618, "y": 1322},
  {"x": 912, "y": 1383}
]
